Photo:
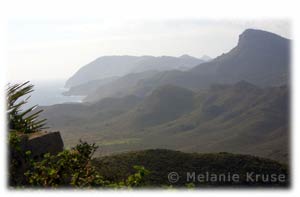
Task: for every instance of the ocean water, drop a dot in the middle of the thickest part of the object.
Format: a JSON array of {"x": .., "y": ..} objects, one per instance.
[{"x": 49, "y": 93}]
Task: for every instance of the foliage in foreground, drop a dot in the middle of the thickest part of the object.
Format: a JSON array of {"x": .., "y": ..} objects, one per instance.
[{"x": 73, "y": 168}]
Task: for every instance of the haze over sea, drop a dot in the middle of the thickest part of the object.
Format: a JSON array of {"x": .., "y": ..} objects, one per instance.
[{"x": 49, "y": 92}]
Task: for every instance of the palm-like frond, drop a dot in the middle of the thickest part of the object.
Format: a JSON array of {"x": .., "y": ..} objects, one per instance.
[{"x": 25, "y": 121}]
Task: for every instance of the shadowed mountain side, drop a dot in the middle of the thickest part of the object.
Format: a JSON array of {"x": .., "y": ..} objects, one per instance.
[{"x": 239, "y": 118}]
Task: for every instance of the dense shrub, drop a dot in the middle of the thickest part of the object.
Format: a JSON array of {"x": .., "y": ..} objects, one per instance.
[{"x": 73, "y": 168}]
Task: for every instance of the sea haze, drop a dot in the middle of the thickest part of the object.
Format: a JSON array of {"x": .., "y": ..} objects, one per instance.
[{"x": 49, "y": 92}]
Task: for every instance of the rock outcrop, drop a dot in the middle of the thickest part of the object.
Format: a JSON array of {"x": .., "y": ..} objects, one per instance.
[
  {"x": 43, "y": 142},
  {"x": 38, "y": 144}
]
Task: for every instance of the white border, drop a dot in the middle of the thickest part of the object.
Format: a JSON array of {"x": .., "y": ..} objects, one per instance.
[{"x": 162, "y": 9}]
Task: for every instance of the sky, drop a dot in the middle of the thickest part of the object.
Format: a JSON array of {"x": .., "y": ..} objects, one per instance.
[{"x": 50, "y": 45}]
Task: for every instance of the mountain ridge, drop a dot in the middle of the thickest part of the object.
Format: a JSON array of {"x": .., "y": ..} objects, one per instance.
[
  {"x": 114, "y": 66},
  {"x": 260, "y": 57}
]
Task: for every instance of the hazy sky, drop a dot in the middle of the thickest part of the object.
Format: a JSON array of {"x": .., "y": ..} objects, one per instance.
[{"x": 56, "y": 48}]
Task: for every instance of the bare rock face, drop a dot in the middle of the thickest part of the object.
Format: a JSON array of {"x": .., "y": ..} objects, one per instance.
[
  {"x": 40, "y": 143},
  {"x": 44, "y": 142}
]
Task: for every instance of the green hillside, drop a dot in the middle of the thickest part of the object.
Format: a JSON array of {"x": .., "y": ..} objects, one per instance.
[{"x": 161, "y": 162}]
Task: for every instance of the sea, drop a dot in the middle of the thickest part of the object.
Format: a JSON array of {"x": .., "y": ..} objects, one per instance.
[{"x": 49, "y": 93}]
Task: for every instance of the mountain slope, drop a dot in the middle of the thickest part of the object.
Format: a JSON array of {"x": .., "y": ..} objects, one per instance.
[
  {"x": 123, "y": 86},
  {"x": 239, "y": 118},
  {"x": 88, "y": 87},
  {"x": 77, "y": 113},
  {"x": 165, "y": 104}
]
